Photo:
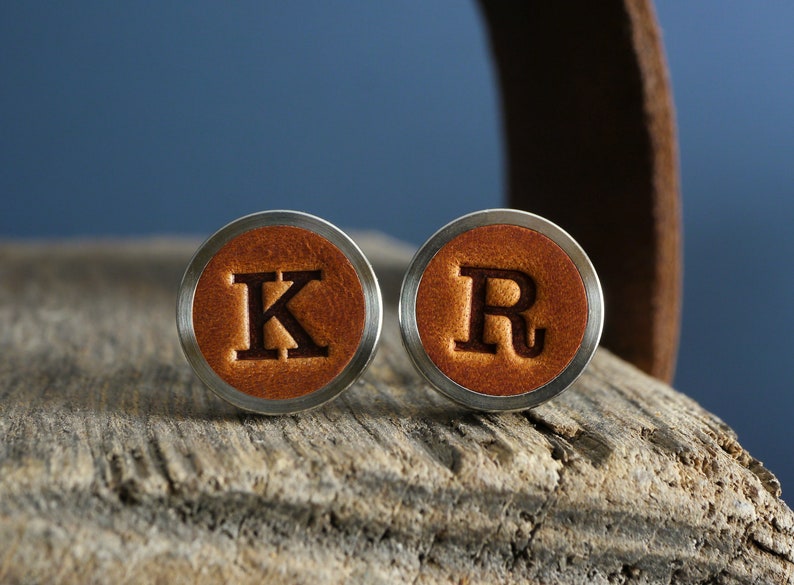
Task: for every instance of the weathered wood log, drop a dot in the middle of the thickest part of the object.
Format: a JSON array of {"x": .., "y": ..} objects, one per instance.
[{"x": 117, "y": 465}]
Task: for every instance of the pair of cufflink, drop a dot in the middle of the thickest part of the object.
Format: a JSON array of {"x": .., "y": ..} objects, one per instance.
[{"x": 280, "y": 311}]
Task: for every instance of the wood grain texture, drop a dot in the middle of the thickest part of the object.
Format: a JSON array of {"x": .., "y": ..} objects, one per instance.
[
  {"x": 118, "y": 466},
  {"x": 590, "y": 142}
]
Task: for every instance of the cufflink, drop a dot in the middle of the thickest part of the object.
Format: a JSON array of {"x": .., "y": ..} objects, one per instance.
[
  {"x": 501, "y": 310},
  {"x": 278, "y": 312}
]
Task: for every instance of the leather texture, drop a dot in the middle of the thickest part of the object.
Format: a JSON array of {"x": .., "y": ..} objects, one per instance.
[
  {"x": 330, "y": 309},
  {"x": 590, "y": 139},
  {"x": 555, "y": 316}
]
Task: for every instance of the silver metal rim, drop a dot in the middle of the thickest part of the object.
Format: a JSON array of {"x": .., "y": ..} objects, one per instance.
[
  {"x": 461, "y": 394},
  {"x": 372, "y": 322}
]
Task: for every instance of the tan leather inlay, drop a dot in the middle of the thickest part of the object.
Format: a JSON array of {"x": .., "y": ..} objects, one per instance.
[
  {"x": 329, "y": 308},
  {"x": 514, "y": 267}
]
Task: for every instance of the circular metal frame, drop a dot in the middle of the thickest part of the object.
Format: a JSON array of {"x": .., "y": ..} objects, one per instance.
[
  {"x": 450, "y": 388},
  {"x": 372, "y": 320}
]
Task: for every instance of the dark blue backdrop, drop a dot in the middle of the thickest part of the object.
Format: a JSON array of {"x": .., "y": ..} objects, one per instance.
[
  {"x": 129, "y": 118},
  {"x": 164, "y": 117}
]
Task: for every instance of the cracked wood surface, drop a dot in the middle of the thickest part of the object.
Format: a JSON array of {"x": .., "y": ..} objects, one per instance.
[{"x": 118, "y": 466}]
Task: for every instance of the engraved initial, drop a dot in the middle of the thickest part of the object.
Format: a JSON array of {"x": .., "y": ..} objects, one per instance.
[
  {"x": 480, "y": 308},
  {"x": 258, "y": 316}
]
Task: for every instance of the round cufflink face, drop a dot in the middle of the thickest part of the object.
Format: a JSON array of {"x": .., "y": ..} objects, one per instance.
[
  {"x": 501, "y": 310},
  {"x": 279, "y": 312}
]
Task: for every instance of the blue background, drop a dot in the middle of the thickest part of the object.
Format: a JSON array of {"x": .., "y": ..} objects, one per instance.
[{"x": 159, "y": 117}]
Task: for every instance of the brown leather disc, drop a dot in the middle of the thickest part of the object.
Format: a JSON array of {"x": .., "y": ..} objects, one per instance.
[
  {"x": 501, "y": 310},
  {"x": 278, "y": 312}
]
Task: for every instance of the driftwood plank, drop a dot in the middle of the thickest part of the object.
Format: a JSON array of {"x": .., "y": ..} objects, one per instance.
[{"x": 118, "y": 466}]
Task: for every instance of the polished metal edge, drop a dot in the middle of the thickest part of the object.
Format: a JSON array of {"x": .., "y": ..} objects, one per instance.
[
  {"x": 459, "y": 393},
  {"x": 372, "y": 322}
]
